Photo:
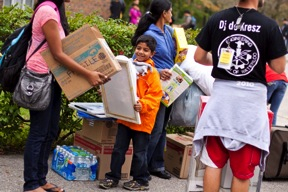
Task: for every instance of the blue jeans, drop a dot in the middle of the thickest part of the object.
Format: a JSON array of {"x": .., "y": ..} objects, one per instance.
[
  {"x": 139, "y": 162},
  {"x": 275, "y": 93},
  {"x": 43, "y": 131},
  {"x": 155, "y": 154}
]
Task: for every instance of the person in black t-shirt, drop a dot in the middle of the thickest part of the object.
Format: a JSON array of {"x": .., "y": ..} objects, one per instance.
[{"x": 234, "y": 125}]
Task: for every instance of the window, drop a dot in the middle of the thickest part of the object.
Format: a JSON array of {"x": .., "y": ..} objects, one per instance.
[{"x": 21, "y": 3}]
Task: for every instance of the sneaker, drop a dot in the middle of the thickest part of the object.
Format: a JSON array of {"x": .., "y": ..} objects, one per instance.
[
  {"x": 149, "y": 178},
  {"x": 107, "y": 183},
  {"x": 161, "y": 174},
  {"x": 135, "y": 186}
]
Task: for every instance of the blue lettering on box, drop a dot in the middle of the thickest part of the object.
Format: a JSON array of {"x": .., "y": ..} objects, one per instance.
[{"x": 92, "y": 51}]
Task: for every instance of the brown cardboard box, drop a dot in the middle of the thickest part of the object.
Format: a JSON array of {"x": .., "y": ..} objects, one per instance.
[
  {"x": 100, "y": 131},
  {"x": 88, "y": 48},
  {"x": 178, "y": 154},
  {"x": 103, "y": 153},
  {"x": 189, "y": 133}
]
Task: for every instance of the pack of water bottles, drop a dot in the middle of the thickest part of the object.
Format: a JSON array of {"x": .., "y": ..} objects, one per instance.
[{"x": 74, "y": 163}]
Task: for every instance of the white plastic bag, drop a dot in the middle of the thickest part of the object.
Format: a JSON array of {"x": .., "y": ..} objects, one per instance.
[{"x": 201, "y": 74}]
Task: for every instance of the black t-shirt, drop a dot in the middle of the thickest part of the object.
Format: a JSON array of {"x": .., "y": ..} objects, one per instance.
[{"x": 258, "y": 40}]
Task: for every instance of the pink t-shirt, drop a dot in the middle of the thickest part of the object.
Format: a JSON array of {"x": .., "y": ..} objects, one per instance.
[{"x": 36, "y": 62}]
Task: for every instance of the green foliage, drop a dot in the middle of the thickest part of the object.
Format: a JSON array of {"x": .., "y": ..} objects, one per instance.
[
  {"x": 117, "y": 33},
  {"x": 12, "y": 18},
  {"x": 14, "y": 121}
]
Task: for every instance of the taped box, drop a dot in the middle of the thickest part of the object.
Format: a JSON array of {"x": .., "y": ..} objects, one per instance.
[
  {"x": 103, "y": 153},
  {"x": 90, "y": 50},
  {"x": 101, "y": 131},
  {"x": 178, "y": 154}
]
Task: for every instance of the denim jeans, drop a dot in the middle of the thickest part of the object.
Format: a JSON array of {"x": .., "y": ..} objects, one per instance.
[
  {"x": 275, "y": 93},
  {"x": 139, "y": 162},
  {"x": 43, "y": 131},
  {"x": 155, "y": 154}
]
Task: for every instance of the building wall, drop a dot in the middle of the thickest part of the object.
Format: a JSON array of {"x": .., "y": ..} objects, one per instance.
[{"x": 102, "y": 7}]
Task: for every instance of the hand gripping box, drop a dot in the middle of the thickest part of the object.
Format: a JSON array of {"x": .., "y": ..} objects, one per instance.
[
  {"x": 89, "y": 49},
  {"x": 103, "y": 153}
]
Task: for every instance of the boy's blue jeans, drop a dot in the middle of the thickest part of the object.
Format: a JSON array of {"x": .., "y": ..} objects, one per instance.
[
  {"x": 43, "y": 131},
  {"x": 275, "y": 93},
  {"x": 139, "y": 162}
]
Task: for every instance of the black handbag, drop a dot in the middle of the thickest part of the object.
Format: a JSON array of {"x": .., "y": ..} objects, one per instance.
[{"x": 33, "y": 90}]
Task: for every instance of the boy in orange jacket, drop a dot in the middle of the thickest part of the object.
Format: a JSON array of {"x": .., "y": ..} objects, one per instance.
[{"x": 149, "y": 91}]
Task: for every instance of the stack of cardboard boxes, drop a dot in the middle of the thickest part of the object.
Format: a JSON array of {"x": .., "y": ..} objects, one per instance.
[{"x": 98, "y": 137}]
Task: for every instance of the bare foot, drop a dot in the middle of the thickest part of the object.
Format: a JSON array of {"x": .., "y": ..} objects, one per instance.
[{"x": 39, "y": 189}]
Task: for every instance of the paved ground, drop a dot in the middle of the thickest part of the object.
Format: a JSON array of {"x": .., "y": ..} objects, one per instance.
[{"x": 11, "y": 173}]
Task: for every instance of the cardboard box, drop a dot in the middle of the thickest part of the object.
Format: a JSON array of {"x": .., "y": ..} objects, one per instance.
[
  {"x": 100, "y": 131},
  {"x": 103, "y": 153},
  {"x": 181, "y": 43},
  {"x": 90, "y": 50},
  {"x": 178, "y": 154},
  {"x": 189, "y": 133}
]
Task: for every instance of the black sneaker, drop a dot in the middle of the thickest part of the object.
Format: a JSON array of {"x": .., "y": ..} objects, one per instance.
[
  {"x": 161, "y": 174},
  {"x": 135, "y": 186},
  {"x": 107, "y": 183},
  {"x": 149, "y": 178}
]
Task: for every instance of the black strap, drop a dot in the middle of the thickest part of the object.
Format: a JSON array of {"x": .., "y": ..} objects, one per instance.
[{"x": 37, "y": 48}]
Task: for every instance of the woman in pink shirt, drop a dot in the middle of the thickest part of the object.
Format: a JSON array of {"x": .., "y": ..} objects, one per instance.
[
  {"x": 49, "y": 24},
  {"x": 135, "y": 13}
]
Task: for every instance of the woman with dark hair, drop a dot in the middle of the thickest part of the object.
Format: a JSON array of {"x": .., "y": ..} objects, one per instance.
[
  {"x": 154, "y": 23},
  {"x": 49, "y": 25}
]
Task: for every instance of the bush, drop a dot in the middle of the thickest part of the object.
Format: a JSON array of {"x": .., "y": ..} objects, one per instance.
[{"x": 14, "y": 122}]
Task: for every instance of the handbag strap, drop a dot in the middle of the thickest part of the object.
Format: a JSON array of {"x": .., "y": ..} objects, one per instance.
[{"x": 37, "y": 48}]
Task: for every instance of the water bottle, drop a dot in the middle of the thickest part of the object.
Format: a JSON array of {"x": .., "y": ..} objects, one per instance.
[
  {"x": 71, "y": 168},
  {"x": 93, "y": 168},
  {"x": 60, "y": 159},
  {"x": 55, "y": 156}
]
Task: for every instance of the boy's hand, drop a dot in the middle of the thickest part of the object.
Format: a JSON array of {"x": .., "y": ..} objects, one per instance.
[{"x": 138, "y": 106}]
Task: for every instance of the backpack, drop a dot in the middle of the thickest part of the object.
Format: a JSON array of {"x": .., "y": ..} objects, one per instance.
[{"x": 14, "y": 52}]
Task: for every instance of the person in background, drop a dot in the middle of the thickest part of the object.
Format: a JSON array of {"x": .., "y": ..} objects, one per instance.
[
  {"x": 149, "y": 91},
  {"x": 135, "y": 13},
  {"x": 44, "y": 125},
  {"x": 276, "y": 89},
  {"x": 189, "y": 20},
  {"x": 117, "y": 9},
  {"x": 234, "y": 124},
  {"x": 285, "y": 32},
  {"x": 154, "y": 23}
]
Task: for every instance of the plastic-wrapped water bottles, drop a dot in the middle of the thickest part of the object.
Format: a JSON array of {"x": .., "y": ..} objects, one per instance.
[{"x": 74, "y": 163}]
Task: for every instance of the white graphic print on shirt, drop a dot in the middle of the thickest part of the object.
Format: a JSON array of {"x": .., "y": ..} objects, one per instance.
[{"x": 246, "y": 54}]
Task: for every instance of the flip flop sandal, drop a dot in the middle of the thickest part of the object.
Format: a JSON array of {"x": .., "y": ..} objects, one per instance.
[{"x": 54, "y": 188}]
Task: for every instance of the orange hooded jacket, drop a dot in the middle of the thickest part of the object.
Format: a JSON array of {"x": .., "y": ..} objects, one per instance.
[{"x": 149, "y": 91}]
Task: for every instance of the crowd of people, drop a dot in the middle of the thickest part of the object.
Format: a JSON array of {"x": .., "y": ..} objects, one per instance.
[{"x": 239, "y": 56}]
